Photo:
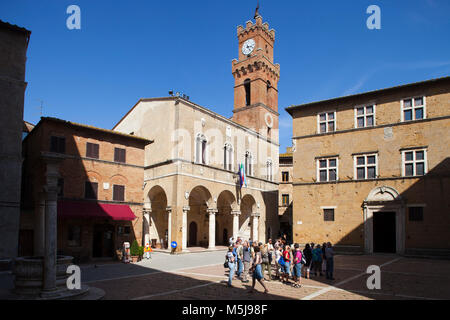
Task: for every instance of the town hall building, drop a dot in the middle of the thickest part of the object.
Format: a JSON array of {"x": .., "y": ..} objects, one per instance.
[{"x": 192, "y": 189}]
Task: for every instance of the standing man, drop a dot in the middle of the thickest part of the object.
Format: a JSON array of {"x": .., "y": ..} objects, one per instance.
[
  {"x": 329, "y": 254},
  {"x": 239, "y": 256},
  {"x": 247, "y": 258}
]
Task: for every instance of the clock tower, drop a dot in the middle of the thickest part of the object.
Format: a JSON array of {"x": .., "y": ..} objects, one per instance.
[{"x": 256, "y": 79}]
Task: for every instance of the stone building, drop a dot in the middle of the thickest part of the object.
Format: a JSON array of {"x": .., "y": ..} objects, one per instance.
[
  {"x": 285, "y": 190},
  {"x": 13, "y": 48},
  {"x": 99, "y": 175},
  {"x": 192, "y": 191},
  {"x": 372, "y": 170}
]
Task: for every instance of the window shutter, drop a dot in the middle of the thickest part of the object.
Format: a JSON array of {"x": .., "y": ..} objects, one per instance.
[{"x": 118, "y": 193}]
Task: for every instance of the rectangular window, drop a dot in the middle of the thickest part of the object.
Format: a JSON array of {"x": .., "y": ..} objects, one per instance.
[
  {"x": 285, "y": 176},
  {"x": 285, "y": 200},
  {"x": 60, "y": 187},
  {"x": 327, "y": 169},
  {"x": 92, "y": 150},
  {"x": 365, "y": 116},
  {"x": 57, "y": 144},
  {"x": 366, "y": 166},
  {"x": 119, "y": 155},
  {"x": 328, "y": 214},
  {"x": 414, "y": 162},
  {"x": 327, "y": 122},
  {"x": 74, "y": 236},
  {"x": 118, "y": 193},
  {"x": 415, "y": 213},
  {"x": 90, "y": 190},
  {"x": 413, "y": 109}
]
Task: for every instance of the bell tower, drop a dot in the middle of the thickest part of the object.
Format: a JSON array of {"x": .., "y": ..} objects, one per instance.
[{"x": 256, "y": 79}]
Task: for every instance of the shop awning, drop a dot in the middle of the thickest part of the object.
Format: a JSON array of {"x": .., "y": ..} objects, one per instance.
[{"x": 85, "y": 210}]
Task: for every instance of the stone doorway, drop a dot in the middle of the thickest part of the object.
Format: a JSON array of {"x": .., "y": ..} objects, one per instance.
[
  {"x": 103, "y": 241},
  {"x": 384, "y": 232},
  {"x": 192, "y": 242}
]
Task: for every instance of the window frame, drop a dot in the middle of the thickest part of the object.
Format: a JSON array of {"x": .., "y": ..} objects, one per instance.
[
  {"x": 416, "y": 206},
  {"x": 119, "y": 156},
  {"x": 97, "y": 151},
  {"x": 324, "y": 209},
  {"x": 365, "y": 166},
  {"x": 414, "y": 161},
  {"x": 58, "y": 138},
  {"x": 326, "y": 121},
  {"x": 413, "y": 108},
  {"x": 282, "y": 176},
  {"x": 248, "y": 162},
  {"x": 269, "y": 169},
  {"x": 285, "y": 196},
  {"x": 80, "y": 238},
  {"x": 228, "y": 158},
  {"x": 95, "y": 191},
  {"x": 365, "y": 115},
  {"x": 202, "y": 157},
  {"x": 114, "y": 193},
  {"x": 318, "y": 169}
]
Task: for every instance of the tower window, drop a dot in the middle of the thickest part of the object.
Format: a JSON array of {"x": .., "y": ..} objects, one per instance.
[{"x": 247, "y": 92}]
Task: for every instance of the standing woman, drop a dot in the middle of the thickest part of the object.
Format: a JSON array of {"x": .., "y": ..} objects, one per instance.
[
  {"x": 287, "y": 264},
  {"x": 265, "y": 264},
  {"x": 231, "y": 263},
  {"x": 256, "y": 268}
]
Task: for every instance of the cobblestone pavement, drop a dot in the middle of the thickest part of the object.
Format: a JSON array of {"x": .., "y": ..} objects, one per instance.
[{"x": 202, "y": 276}]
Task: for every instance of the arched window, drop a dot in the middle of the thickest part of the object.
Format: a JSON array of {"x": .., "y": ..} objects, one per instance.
[
  {"x": 249, "y": 163},
  {"x": 269, "y": 166},
  {"x": 247, "y": 92},
  {"x": 228, "y": 157},
  {"x": 268, "y": 86},
  {"x": 200, "y": 147}
]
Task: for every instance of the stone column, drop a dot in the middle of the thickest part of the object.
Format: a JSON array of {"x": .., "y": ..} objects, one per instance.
[
  {"x": 255, "y": 225},
  {"x": 52, "y": 162},
  {"x": 147, "y": 224},
  {"x": 186, "y": 209},
  {"x": 236, "y": 215},
  {"x": 169, "y": 226},
  {"x": 39, "y": 226},
  {"x": 212, "y": 228}
]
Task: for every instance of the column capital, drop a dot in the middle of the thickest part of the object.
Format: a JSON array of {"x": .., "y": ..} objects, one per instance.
[
  {"x": 256, "y": 214},
  {"x": 236, "y": 213},
  {"x": 169, "y": 209},
  {"x": 212, "y": 211},
  {"x": 186, "y": 208},
  {"x": 147, "y": 211}
]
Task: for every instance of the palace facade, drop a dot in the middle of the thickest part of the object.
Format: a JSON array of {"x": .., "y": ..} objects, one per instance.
[{"x": 372, "y": 170}]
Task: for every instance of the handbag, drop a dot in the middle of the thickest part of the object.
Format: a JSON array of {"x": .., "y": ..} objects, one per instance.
[{"x": 225, "y": 265}]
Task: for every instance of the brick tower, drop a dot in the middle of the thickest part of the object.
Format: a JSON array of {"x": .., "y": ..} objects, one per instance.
[{"x": 256, "y": 79}]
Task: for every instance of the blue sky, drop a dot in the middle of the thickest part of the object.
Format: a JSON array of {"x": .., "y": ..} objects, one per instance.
[{"x": 128, "y": 50}]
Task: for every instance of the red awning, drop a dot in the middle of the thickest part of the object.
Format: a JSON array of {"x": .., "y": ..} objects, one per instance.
[{"x": 84, "y": 209}]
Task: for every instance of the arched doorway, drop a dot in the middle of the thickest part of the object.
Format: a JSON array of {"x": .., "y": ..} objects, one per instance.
[
  {"x": 158, "y": 224},
  {"x": 199, "y": 202},
  {"x": 384, "y": 221},
  {"x": 192, "y": 240},
  {"x": 226, "y": 203}
]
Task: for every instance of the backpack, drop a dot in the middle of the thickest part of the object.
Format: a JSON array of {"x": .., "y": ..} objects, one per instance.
[
  {"x": 281, "y": 261},
  {"x": 303, "y": 260},
  {"x": 265, "y": 257}
]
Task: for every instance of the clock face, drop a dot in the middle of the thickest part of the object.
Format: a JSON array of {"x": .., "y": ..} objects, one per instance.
[{"x": 248, "y": 46}]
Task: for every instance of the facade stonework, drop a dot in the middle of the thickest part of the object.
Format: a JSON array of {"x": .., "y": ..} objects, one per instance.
[{"x": 359, "y": 202}]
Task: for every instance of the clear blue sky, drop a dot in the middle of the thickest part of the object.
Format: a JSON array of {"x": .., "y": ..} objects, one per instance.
[{"x": 128, "y": 50}]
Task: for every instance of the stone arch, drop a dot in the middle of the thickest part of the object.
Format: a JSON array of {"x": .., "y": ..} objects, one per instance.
[
  {"x": 157, "y": 224},
  {"x": 383, "y": 193},
  {"x": 200, "y": 200},
  {"x": 226, "y": 204}
]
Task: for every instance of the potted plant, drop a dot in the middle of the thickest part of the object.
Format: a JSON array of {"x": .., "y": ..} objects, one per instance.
[{"x": 134, "y": 251}]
